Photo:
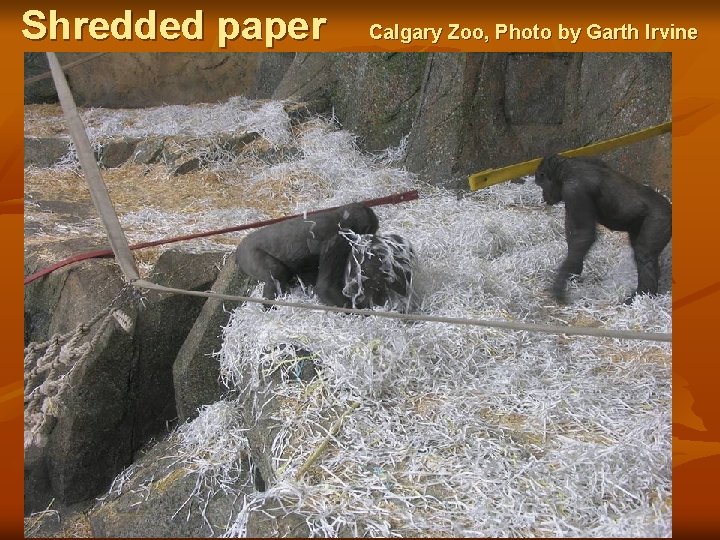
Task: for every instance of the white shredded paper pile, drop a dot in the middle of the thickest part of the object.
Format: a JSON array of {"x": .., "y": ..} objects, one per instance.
[
  {"x": 449, "y": 430},
  {"x": 465, "y": 431}
]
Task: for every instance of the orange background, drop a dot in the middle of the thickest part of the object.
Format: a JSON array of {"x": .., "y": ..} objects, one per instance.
[{"x": 696, "y": 188}]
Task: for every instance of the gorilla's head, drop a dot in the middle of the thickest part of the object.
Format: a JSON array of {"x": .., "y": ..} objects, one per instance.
[
  {"x": 358, "y": 218},
  {"x": 547, "y": 178}
]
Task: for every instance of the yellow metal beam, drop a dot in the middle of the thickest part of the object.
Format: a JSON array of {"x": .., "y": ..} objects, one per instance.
[{"x": 490, "y": 177}]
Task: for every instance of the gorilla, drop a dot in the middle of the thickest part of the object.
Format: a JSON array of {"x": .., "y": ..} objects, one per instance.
[
  {"x": 279, "y": 253},
  {"x": 366, "y": 270},
  {"x": 594, "y": 193}
]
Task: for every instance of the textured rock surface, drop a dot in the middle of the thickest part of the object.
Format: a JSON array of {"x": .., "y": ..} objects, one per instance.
[
  {"x": 45, "y": 151},
  {"x": 149, "y": 79},
  {"x": 122, "y": 393},
  {"x": 468, "y": 112},
  {"x": 196, "y": 373},
  {"x": 461, "y": 112},
  {"x": 155, "y": 501}
]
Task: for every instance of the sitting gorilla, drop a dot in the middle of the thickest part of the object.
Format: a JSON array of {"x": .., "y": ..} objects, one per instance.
[
  {"x": 366, "y": 270},
  {"x": 278, "y": 253},
  {"x": 594, "y": 193}
]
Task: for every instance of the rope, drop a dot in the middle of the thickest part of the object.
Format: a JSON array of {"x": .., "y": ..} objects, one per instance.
[
  {"x": 395, "y": 198},
  {"x": 506, "y": 325},
  {"x": 45, "y": 374}
]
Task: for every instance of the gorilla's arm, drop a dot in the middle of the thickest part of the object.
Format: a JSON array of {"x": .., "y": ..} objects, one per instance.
[
  {"x": 331, "y": 272},
  {"x": 580, "y": 233}
]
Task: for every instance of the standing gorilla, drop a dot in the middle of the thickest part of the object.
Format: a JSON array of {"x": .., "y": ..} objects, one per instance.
[
  {"x": 278, "y": 253},
  {"x": 594, "y": 193}
]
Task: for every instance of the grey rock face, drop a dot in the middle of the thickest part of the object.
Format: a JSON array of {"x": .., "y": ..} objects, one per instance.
[{"x": 122, "y": 393}]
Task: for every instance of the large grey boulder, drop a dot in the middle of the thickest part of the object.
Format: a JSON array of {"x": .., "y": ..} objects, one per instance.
[
  {"x": 45, "y": 151},
  {"x": 468, "y": 112},
  {"x": 488, "y": 110},
  {"x": 88, "y": 435},
  {"x": 43, "y": 89},
  {"x": 620, "y": 93},
  {"x": 380, "y": 122},
  {"x": 163, "y": 326},
  {"x": 61, "y": 300},
  {"x": 196, "y": 373},
  {"x": 115, "y": 152},
  {"x": 311, "y": 79},
  {"x": 375, "y": 95}
]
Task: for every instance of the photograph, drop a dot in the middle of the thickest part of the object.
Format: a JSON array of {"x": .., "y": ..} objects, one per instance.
[{"x": 348, "y": 294}]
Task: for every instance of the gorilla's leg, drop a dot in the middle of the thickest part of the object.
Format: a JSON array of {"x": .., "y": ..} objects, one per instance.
[
  {"x": 647, "y": 242},
  {"x": 580, "y": 235},
  {"x": 266, "y": 268}
]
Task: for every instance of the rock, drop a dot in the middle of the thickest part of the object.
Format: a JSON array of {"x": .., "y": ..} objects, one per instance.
[
  {"x": 179, "y": 148},
  {"x": 161, "y": 494},
  {"x": 622, "y": 93},
  {"x": 115, "y": 152},
  {"x": 188, "y": 166},
  {"x": 149, "y": 151},
  {"x": 130, "y": 80},
  {"x": 56, "y": 304},
  {"x": 463, "y": 112},
  {"x": 183, "y": 154},
  {"x": 381, "y": 122},
  {"x": 271, "y": 521},
  {"x": 122, "y": 393},
  {"x": 157, "y": 499},
  {"x": 45, "y": 151},
  {"x": 261, "y": 410},
  {"x": 445, "y": 115},
  {"x": 60, "y": 301},
  {"x": 196, "y": 373},
  {"x": 270, "y": 71},
  {"x": 262, "y": 426},
  {"x": 161, "y": 341},
  {"x": 42, "y": 90},
  {"x": 350, "y": 85},
  {"x": 529, "y": 76},
  {"x": 272, "y": 155},
  {"x": 469, "y": 112},
  {"x": 297, "y": 112},
  {"x": 94, "y": 436},
  {"x": 513, "y": 107},
  {"x": 236, "y": 144},
  {"x": 310, "y": 79}
]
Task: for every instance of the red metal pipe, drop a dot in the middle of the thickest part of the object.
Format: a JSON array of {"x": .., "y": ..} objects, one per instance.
[{"x": 389, "y": 199}]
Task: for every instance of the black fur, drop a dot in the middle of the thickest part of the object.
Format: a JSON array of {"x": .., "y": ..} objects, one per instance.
[
  {"x": 594, "y": 193},
  {"x": 279, "y": 253}
]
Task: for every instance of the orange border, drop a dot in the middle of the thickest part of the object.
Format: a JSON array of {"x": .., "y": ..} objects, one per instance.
[{"x": 696, "y": 191}]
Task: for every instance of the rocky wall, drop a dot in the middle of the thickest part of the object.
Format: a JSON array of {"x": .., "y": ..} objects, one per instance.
[{"x": 461, "y": 112}]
